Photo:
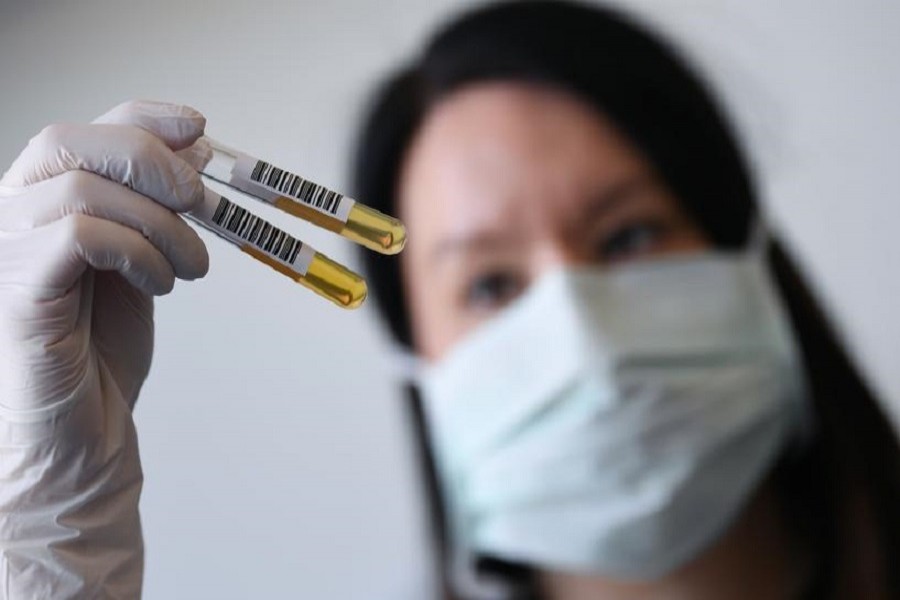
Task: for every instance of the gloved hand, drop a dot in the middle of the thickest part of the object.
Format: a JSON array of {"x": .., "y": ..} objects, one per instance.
[{"x": 88, "y": 235}]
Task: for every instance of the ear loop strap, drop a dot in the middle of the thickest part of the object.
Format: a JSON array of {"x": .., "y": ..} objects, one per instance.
[
  {"x": 759, "y": 234},
  {"x": 759, "y": 239}
]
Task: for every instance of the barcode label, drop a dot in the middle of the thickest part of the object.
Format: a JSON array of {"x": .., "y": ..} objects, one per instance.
[
  {"x": 294, "y": 186},
  {"x": 256, "y": 231},
  {"x": 239, "y": 225},
  {"x": 269, "y": 182}
]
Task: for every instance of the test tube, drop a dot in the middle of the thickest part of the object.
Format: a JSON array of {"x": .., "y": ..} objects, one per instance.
[
  {"x": 279, "y": 250},
  {"x": 303, "y": 198}
]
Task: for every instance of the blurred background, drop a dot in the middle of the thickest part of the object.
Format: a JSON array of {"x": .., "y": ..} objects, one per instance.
[{"x": 276, "y": 458}]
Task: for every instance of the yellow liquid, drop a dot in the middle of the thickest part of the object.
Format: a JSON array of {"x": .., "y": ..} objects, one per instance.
[
  {"x": 324, "y": 277},
  {"x": 365, "y": 226}
]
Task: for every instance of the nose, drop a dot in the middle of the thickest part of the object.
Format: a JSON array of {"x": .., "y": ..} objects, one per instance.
[{"x": 555, "y": 253}]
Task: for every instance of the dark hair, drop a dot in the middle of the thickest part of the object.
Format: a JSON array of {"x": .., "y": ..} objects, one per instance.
[{"x": 852, "y": 467}]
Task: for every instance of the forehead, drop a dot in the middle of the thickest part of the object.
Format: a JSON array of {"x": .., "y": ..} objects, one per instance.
[{"x": 502, "y": 151}]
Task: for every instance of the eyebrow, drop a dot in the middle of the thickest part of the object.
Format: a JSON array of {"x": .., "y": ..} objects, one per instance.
[
  {"x": 603, "y": 203},
  {"x": 612, "y": 197},
  {"x": 474, "y": 242}
]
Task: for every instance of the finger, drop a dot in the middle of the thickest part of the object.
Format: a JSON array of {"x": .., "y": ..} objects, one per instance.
[
  {"x": 58, "y": 254},
  {"x": 122, "y": 153},
  {"x": 79, "y": 192},
  {"x": 198, "y": 155},
  {"x": 178, "y": 126}
]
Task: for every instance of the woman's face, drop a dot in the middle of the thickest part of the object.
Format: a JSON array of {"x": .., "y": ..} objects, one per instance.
[{"x": 504, "y": 182}]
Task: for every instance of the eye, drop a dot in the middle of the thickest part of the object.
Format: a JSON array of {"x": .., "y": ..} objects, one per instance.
[
  {"x": 492, "y": 290},
  {"x": 631, "y": 240}
]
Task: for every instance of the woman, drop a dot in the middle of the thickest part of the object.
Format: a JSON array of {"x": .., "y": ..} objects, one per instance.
[
  {"x": 619, "y": 400},
  {"x": 494, "y": 148}
]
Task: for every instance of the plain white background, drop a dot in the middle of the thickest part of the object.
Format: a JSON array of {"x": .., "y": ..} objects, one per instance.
[{"x": 275, "y": 453}]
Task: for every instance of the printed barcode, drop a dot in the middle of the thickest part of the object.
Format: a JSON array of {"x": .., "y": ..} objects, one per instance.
[
  {"x": 256, "y": 231},
  {"x": 294, "y": 186}
]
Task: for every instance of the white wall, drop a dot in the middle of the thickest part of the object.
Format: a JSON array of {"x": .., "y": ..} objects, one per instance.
[{"x": 274, "y": 450}]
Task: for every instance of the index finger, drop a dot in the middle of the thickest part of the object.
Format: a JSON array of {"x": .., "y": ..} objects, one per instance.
[
  {"x": 177, "y": 125},
  {"x": 125, "y": 154}
]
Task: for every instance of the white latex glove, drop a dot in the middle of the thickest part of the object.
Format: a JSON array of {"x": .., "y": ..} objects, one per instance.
[{"x": 88, "y": 234}]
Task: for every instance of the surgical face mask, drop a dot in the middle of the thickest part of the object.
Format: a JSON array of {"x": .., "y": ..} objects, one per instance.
[{"x": 615, "y": 423}]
